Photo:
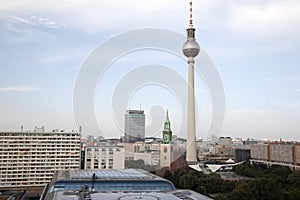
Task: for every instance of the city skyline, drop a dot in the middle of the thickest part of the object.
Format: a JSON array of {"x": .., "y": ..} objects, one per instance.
[{"x": 253, "y": 44}]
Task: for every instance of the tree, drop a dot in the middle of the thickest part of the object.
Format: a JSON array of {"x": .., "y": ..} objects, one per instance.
[
  {"x": 177, "y": 175},
  {"x": 294, "y": 179},
  {"x": 213, "y": 183},
  {"x": 169, "y": 176},
  {"x": 227, "y": 186}
]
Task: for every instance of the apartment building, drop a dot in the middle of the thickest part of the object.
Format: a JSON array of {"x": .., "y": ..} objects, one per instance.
[
  {"x": 29, "y": 159},
  {"x": 287, "y": 154}
]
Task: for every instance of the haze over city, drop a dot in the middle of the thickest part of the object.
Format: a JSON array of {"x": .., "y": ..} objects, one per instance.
[{"x": 253, "y": 44}]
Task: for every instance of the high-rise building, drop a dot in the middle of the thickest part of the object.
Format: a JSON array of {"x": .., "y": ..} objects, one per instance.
[
  {"x": 134, "y": 126},
  {"x": 191, "y": 49},
  {"x": 29, "y": 159}
]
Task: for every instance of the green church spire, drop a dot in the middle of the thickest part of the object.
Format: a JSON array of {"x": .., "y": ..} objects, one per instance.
[{"x": 167, "y": 133}]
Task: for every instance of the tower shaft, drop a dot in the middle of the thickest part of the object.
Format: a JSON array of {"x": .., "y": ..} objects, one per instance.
[{"x": 191, "y": 127}]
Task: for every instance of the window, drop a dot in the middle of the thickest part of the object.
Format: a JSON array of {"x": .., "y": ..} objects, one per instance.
[{"x": 165, "y": 150}]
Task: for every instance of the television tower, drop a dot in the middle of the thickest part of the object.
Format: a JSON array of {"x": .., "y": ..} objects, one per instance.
[{"x": 191, "y": 49}]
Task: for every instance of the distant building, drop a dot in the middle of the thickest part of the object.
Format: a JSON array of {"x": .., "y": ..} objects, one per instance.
[
  {"x": 225, "y": 141},
  {"x": 242, "y": 154},
  {"x": 150, "y": 158},
  {"x": 141, "y": 147},
  {"x": 250, "y": 142},
  {"x": 113, "y": 185},
  {"x": 134, "y": 126},
  {"x": 286, "y": 154},
  {"x": 220, "y": 153},
  {"x": 29, "y": 159},
  {"x": 104, "y": 157},
  {"x": 90, "y": 138}
]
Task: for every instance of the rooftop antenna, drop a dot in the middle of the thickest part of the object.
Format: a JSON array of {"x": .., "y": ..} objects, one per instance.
[
  {"x": 191, "y": 14},
  {"x": 140, "y": 107}
]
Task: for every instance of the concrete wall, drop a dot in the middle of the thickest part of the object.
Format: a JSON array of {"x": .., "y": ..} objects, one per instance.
[
  {"x": 259, "y": 151},
  {"x": 281, "y": 153}
]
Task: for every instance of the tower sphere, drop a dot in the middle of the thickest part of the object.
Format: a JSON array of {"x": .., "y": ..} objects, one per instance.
[{"x": 191, "y": 48}]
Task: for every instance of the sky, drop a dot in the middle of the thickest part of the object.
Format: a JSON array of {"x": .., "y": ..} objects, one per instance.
[{"x": 253, "y": 45}]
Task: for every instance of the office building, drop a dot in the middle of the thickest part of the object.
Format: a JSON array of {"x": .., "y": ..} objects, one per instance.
[
  {"x": 29, "y": 159},
  {"x": 134, "y": 126}
]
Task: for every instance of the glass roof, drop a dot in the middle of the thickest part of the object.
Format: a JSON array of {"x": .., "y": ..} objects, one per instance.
[{"x": 111, "y": 174}]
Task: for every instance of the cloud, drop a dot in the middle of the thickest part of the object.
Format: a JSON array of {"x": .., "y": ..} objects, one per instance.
[
  {"x": 33, "y": 21},
  {"x": 24, "y": 88},
  {"x": 95, "y": 15},
  {"x": 44, "y": 21}
]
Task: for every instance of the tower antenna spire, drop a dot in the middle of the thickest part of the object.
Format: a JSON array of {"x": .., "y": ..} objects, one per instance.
[{"x": 191, "y": 14}]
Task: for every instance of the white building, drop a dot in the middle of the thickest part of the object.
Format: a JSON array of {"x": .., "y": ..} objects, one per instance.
[
  {"x": 104, "y": 157},
  {"x": 225, "y": 141},
  {"x": 150, "y": 158},
  {"x": 29, "y": 159},
  {"x": 166, "y": 155}
]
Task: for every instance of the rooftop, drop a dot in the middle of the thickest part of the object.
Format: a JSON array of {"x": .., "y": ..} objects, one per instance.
[
  {"x": 110, "y": 174},
  {"x": 114, "y": 184},
  {"x": 174, "y": 195}
]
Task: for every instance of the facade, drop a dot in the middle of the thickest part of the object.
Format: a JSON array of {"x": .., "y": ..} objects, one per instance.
[
  {"x": 242, "y": 154},
  {"x": 104, "y": 157},
  {"x": 29, "y": 159},
  {"x": 134, "y": 126},
  {"x": 150, "y": 158},
  {"x": 287, "y": 154},
  {"x": 141, "y": 147},
  {"x": 166, "y": 155},
  {"x": 225, "y": 141},
  {"x": 260, "y": 152},
  {"x": 113, "y": 185}
]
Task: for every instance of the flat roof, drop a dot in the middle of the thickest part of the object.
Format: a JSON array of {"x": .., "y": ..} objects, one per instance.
[
  {"x": 135, "y": 111},
  {"x": 106, "y": 174}
]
